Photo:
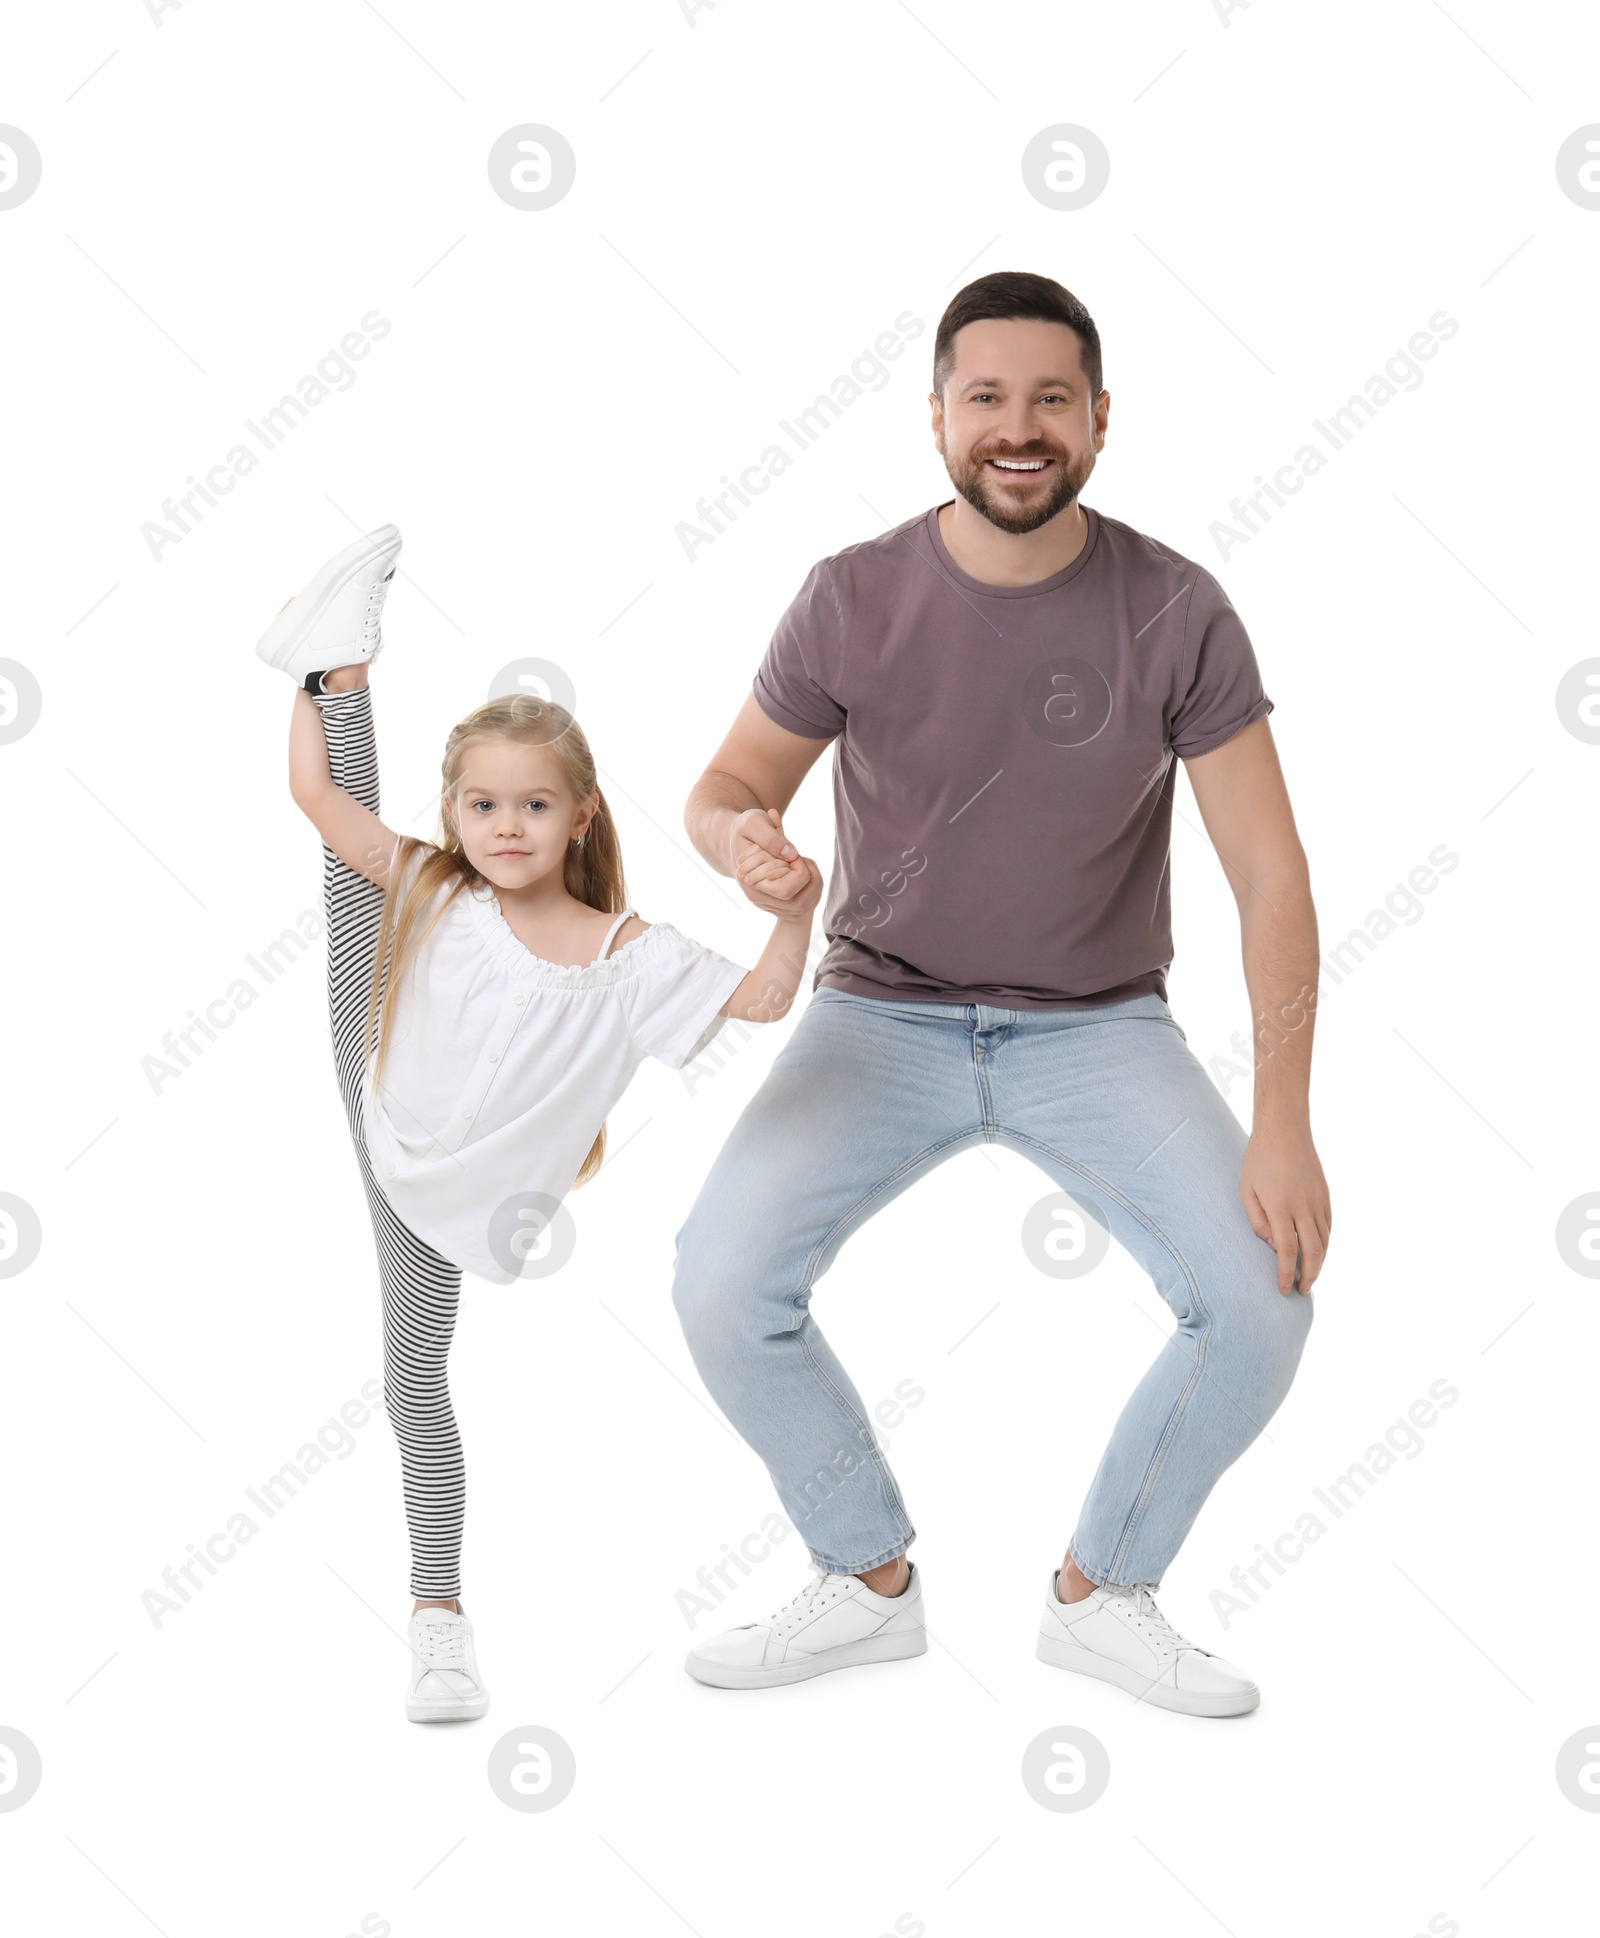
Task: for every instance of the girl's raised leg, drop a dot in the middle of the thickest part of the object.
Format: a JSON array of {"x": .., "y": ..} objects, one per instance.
[{"x": 420, "y": 1289}]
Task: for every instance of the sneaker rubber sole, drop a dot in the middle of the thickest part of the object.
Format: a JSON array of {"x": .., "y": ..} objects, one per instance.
[
  {"x": 846, "y": 1655},
  {"x": 441, "y": 1712},
  {"x": 1084, "y": 1662},
  {"x": 289, "y": 631}
]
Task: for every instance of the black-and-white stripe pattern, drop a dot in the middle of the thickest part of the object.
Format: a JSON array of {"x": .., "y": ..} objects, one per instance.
[{"x": 420, "y": 1289}]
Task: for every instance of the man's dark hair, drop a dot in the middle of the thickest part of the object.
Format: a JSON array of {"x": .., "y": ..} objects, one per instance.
[{"x": 1016, "y": 292}]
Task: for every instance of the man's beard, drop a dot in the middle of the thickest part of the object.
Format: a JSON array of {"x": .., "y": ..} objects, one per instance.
[{"x": 976, "y": 483}]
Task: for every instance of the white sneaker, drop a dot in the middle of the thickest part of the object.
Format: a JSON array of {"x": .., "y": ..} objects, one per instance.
[
  {"x": 444, "y": 1685},
  {"x": 334, "y": 620},
  {"x": 835, "y": 1622},
  {"x": 1119, "y": 1635}
]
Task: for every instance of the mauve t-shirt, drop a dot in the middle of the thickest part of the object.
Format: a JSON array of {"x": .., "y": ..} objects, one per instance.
[{"x": 1004, "y": 766}]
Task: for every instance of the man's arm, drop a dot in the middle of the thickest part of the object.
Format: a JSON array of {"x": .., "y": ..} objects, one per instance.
[
  {"x": 1243, "y": 801},
  {"x": 734, "y": 814}
]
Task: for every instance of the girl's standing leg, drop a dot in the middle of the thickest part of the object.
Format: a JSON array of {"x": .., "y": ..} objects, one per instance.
[{"x": 420, "y": 1289}]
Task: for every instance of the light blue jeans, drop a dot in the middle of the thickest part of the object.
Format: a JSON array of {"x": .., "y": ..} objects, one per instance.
[{"x": 868, "y": 1095}]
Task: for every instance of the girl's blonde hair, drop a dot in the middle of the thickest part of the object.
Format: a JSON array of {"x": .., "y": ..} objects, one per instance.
[{"x": 592, "y": 872}]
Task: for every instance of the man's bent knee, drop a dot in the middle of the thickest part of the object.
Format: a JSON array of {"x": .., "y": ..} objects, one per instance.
[{"x": 726, "y": 1285}]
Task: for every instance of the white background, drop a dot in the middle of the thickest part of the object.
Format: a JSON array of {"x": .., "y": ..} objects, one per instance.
[{"x": 760, "y": 191}]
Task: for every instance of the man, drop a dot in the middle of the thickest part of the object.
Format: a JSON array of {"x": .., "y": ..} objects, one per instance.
[{"x": 1007, "y": 680}]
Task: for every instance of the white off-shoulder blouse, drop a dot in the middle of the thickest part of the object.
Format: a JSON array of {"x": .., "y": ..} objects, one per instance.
[{"x": 501, "y": 1068}]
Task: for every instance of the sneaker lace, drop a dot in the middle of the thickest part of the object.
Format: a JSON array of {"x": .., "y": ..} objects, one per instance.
[
  {"x": 803, "y": 1604},
  {"x": 374, "y": 613},
  {"x": 443, "y": 1645},
  {"x": 1151, "y": 1619}
]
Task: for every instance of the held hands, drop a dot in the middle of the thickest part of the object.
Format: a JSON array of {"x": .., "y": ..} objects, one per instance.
[
  {"x": 773, "y": 873},
  {"x": 1285, "y": 1198}
]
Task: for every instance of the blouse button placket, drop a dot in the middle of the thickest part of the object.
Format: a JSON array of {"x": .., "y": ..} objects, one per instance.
[{"x": 492, "y": 1056}]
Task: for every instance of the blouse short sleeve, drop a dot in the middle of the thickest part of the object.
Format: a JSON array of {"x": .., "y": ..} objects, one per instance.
[{"x": 672, "y": 1003}]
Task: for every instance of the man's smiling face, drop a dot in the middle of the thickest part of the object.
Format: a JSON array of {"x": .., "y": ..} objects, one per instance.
[{"x": 1016, "y": 426}]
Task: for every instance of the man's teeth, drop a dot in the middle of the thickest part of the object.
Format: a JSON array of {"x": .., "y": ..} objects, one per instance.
[{"x": 1011, "y": 464}]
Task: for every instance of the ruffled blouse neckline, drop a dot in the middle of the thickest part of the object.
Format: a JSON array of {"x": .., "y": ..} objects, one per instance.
[{"x": 518, "y": 960}]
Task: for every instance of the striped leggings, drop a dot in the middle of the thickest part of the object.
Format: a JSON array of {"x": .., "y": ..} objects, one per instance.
[{"x": 420, "y": 1289}]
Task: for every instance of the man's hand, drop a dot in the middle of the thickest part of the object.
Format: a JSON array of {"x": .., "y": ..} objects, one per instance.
[
  {"x": 1285, "y": 1198},
  {"x": 769, "y": 868}
]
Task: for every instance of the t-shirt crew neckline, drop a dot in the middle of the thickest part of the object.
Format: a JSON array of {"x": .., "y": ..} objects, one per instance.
[{"x": 989, "y": 591}]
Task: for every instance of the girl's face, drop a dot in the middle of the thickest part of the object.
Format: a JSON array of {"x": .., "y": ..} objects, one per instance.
[{"x": 516, "y": 814}]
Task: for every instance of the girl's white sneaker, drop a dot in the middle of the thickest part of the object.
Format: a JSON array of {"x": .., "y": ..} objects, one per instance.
[
  {"x": 1119, "y": 1635},
  {"x": 335, "y": 619},
  {"x": 835, "y": 1622},
  {"x": 444, "y": 1685}
]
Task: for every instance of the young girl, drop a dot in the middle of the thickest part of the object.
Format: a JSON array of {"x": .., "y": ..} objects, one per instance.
[{"x": 490, "y": 995}]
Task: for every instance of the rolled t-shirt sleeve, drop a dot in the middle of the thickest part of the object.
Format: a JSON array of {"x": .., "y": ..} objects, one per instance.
[
  {"x": 797, "y": 681},
  {"x": 1221, "y": 683},
  {"x": 672, "y": 1004}
]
